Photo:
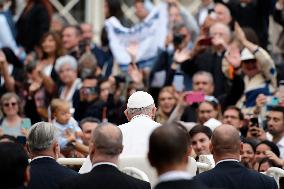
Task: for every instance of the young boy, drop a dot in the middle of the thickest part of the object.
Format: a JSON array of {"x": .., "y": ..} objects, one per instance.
[{"x": 64, "y": 122}]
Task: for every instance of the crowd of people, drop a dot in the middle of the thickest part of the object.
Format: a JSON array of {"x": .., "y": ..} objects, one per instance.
[{"x": 215, "y": 76}]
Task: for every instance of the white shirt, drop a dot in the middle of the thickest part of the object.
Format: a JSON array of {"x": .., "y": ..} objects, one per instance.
[
  {"x": 225, "y": 160},
  {"x": 104, "y": 163},
  {"x": 136, "y": 135},
  {"x": 280, "y": 145},
  {"x": 175, "y": 175},
  {"x": 40, "y": 157}
]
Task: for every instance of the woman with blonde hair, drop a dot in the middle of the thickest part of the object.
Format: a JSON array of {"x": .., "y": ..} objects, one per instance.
[{"x": 166, "y": 103}]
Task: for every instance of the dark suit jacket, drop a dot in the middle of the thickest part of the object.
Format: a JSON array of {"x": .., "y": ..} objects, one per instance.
[
  {"x": 233, "y": 175},
  {"x": 180, "y": 184},
  {"x": 104, "y": 177},
  {"x": 46, "y": 173}
]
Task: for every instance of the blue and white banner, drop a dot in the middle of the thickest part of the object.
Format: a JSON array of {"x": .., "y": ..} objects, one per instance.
[{"x": 149, "y": 35}]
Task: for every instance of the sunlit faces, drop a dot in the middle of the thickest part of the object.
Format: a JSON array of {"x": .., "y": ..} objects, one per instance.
[
  {"x": 206, "y": 111},
  {"x": 87, "y": 31},
  {"x": 275, "y": 122},
  {"x": 105, "y": 90},
  {"x": 87, "y": 129},
  {"x": 264, "y": 166},
  {"x": 70, "y": 38},
  {"x": 67, "y": 74},
  {"x": 220, "y": 31},
  {"x": 231, "y": 117},
  {"x": 62, "y": 115},
  {"x": 10, "y": 107},
  {"x": 49, "y": 45},
  {"x": 247, "y": 154},
  {"x": 167, "y": 102},
  {"x": 200, "y": 144},
  {"x": 140, "y": 10},
  {"x": 260, "y": 152},
  {"x": 223, "y": 13},
  {"x": 203, "y": 83},
  {"x": 174, "y": 15}
]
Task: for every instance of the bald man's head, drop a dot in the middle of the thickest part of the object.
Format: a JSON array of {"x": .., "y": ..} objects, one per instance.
[
  {"x": 225, "y": 140},
  {"x": 107, "y": 139}
]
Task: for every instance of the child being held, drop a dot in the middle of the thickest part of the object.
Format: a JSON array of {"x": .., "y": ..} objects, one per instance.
[{"x": 64, "y": 122}]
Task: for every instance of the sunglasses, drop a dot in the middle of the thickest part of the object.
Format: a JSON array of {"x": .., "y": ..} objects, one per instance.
[{"x": 7, "y": 104}]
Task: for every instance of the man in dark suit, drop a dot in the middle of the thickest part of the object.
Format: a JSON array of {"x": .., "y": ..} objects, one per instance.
[
  {"x": 14, "y": 163},
  {"x": 44, "y": 148},
  {"x": 168, "y": 153},
  {"x": 105, "y": 147},
  {"x": 229, "y": 173}
]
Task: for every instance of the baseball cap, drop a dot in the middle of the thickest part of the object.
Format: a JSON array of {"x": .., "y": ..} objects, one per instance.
[
  {"x": 140, "y": 99},
  {"x": 246, "y": 55}
]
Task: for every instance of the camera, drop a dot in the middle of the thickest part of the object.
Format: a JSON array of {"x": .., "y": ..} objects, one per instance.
[
  {"x": 88, "y": 90},
  {"x": 178, "y": 39}
]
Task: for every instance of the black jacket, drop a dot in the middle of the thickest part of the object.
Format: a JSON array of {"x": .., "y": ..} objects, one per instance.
[
  {"x": 180, "y": 184},
  {"x": 233, "y": 175},
  {"x": 46, "y": 173},
  {"x": 104, "y": 177}
]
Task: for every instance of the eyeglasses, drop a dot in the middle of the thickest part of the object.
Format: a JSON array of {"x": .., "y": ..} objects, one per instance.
[{"x": 7, "y": 104}]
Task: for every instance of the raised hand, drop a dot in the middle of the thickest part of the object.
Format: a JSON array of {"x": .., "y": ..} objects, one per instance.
[
  {"x": 240, "y": 33},
  {"x": 132, "y": 50},
  {"x": 135, "y": 73}
]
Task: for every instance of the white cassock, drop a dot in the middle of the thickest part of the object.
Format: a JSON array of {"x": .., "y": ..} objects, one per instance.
[{"x": 136, "y": 135}]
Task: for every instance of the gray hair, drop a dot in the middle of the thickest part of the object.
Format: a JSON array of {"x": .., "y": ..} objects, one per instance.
[
  {"x": 41, "y": 136},
  {"x": 66, "y": 59},
  {"x": 205, "y": 73},
  {"x": 107, "y": 138},
  {"x": 223, "y": 26},
  {"x": 144, "y": 110}
]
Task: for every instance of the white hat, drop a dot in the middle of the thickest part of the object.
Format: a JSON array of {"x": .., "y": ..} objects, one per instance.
[
  {"x": 246, "y": 55},
  {"x": 140, "y": 99}
]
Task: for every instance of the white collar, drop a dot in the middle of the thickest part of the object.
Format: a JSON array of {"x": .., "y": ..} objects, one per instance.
[
  {"x": 280, "y": 142},
  {"x": 225, "y": 160},
  {"x": 104, "y": 163},
  {"x": 40, "y": 157},
  {"x": 140, "y": 115},
  {"x": 175, "y": 175}
]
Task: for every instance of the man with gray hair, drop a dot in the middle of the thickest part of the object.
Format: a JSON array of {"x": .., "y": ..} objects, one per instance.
[
  {"x": 140, "y": 113},
  {"x": 44, "y": 149},
  {"x": 105, "y": 147}
]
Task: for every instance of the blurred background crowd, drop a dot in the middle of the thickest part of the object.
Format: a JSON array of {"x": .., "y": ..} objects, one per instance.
[{"x": 221, "y": 61}]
